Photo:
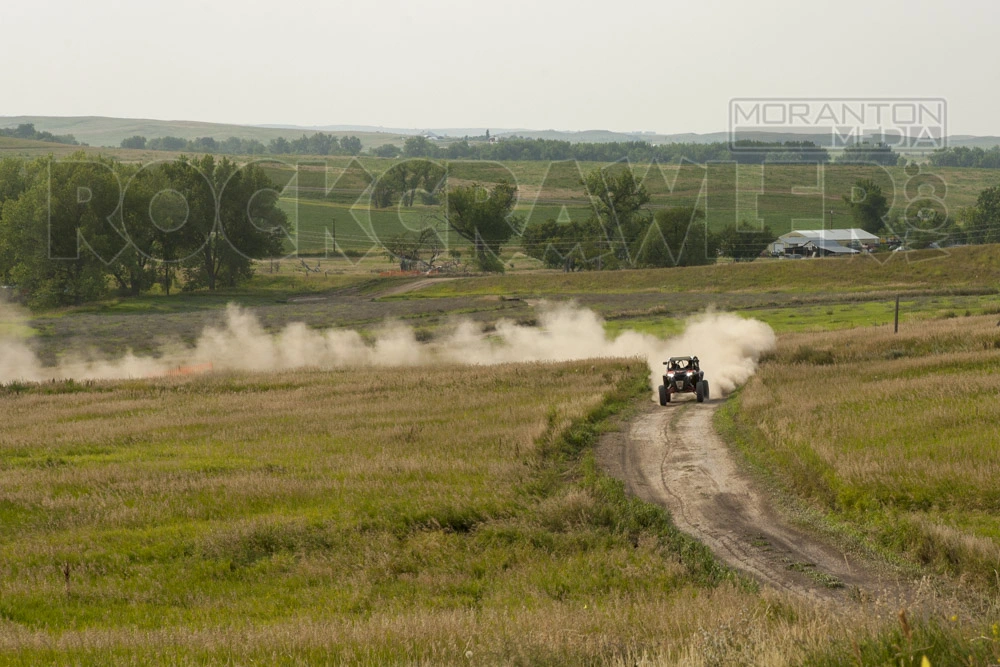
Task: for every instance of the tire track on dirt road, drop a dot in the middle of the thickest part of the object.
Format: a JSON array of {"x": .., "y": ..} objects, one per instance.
[{"x": 673, "y": 457}]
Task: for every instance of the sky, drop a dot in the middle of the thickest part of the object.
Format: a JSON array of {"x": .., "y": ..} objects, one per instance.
[{"x": 629, "y": 65}]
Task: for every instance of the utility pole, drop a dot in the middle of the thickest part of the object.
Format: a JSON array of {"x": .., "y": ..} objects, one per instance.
[{"x": 895, "y": 324}]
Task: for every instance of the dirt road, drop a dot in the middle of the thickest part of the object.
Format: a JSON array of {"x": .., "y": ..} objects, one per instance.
[
  {"x": 672, "y": 456},
  {"x": 412, "y": 286}
]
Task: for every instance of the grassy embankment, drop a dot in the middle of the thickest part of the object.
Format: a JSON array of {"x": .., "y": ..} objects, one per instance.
[
  {"x": 791, "y": 296},
  {"x": 891, "y": 435},
  {"x": 375, "y": 516},
  {"x": 958, "y": 269}
]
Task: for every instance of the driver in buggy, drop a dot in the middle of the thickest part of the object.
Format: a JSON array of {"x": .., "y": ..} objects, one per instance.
[{"x": 694, "y": 364}]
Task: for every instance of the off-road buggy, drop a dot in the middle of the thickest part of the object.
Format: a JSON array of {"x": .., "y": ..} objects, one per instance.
[{"x": 683, "y": 376}]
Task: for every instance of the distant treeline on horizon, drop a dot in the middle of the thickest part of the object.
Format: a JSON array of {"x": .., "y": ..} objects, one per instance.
[
  {"x": 28, "y": 131},
  {"x": 962, "y": 156},
  {"x": 522, "y": 149},
  {"x": 516, "y": 148}
]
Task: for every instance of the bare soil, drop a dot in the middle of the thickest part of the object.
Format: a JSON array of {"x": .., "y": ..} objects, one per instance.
[
  {"x": 673, "y": 457},
  {"x": 413, "y": 286}
]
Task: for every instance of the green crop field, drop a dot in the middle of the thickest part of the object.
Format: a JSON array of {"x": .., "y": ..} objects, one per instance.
[
  {"x": 783, "y": 197},
  {"x": 317, "y": 225}
]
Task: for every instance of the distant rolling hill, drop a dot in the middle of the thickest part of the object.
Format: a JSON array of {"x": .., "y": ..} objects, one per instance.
[{"x": 102, "y": 131}]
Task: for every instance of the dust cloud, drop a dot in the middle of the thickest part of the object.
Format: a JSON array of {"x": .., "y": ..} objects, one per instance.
[{"x": 728, "y": 346}]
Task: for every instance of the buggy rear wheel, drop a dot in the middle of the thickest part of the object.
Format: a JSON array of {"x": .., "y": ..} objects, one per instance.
[{"x": 707, "y": 394}]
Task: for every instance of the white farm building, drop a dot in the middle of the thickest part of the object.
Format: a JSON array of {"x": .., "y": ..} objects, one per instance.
[{"x": 823, "y": 242}]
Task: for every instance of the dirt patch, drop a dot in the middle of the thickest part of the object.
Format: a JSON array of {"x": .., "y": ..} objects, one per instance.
[
  {"x": 411, "y": 286},
  {"x": 673, "y": 457}
]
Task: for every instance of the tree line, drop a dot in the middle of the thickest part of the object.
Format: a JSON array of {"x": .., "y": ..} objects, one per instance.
[
  {"x": 75, "y": 229},
  {"x": 925, "y": 221},
  {"x": 963, "y": 156},
  {"x": 28, "y": 131},
  {"x": 318, "y": 143},
  {"x": 522, "y": 149},
  {"x": 868, "y": 153},
  {"x": 624, "y": 233}
]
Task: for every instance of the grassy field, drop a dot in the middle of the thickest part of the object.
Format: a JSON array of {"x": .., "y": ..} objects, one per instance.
[
  {"x": 784, "y": 197},
  {"x": 829, "y": 315},
  {"x": 27, "y": 148},
  {"x": 803, "y": 296},
  {"x": 280, "y": 519},
  {"x": 958, "y": 269},
  {"x": 410, "y": 516},
  {"x": 892, "y": 434},
  {"x": 318, "y": 191}
]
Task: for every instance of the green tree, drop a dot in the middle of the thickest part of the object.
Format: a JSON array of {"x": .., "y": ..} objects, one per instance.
[
  {"x": 486, "y": 219},
  {"x": 571, "y": 246},
  {"x": 279, "y": 146},
  {"x": 14, "y": 180},
  {"x": 677, "y": 237},
  {"x": 418, "y": 146},
  {"x": 252, "y": 224},
  {"x": 134, "y": 268},
  {"x": 404, "y": 180},
  {"x": 350, "y": 145},
  {"x": 868, "y": 205},
  {"x": 167, "y": 143},
  {"x": 254, "y": 147},
  {"x": 984, "y": 225},
  {"x": 137, "y": 141},
  {"x": 25, "y": 131},
  {"x": 233, "y": 219},
  {"x": 868, "y": 153},
  {"x": 927, "y": 223},
  {"x": 620, "y": 201},
  {"x": 744, "y": 243},
  {"x": 386, "y": 150},
  {"x": 58, "y": 236}
]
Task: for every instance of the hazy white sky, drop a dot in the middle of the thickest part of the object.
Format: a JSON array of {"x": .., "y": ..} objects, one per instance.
[{"x": 625, "y": 65}]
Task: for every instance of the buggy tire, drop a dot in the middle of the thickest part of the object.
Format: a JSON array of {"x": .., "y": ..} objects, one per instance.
[
  {"x": 707, "y": 393},
  {"x": 664, "y": 395},
  {"x": 699, "y": 391}
]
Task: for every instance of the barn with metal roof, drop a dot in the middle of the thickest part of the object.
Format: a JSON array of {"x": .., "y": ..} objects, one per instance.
[{"x": 823, "y": 242}]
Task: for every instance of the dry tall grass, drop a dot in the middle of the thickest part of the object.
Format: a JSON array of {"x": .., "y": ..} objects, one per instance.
[
  {"x": 898, "y": 432},
  {"x": 371, "y": 516}
]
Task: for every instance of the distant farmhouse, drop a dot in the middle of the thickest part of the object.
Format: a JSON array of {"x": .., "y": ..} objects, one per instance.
[{"x": 824, "y": 242}]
